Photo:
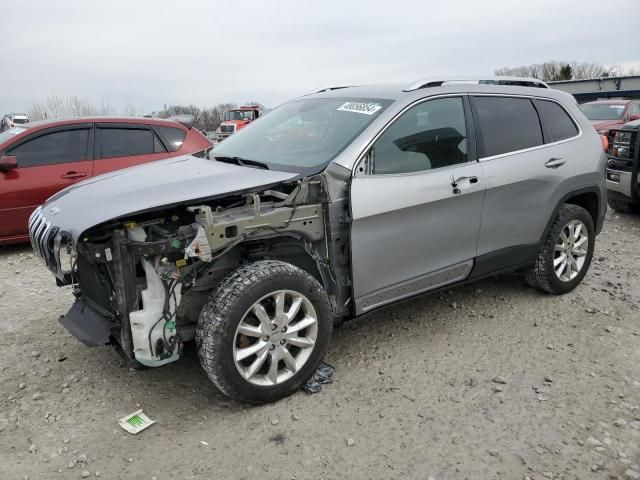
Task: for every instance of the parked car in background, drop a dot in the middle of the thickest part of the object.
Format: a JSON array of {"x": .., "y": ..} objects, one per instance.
[
  {"x": 10, "y": 120},
  {"x": 606, "y": 115},
  {"x": 40, "y": 158},
  {"x": 332, "y": 205},
  {"x": 623, "y": 184}
]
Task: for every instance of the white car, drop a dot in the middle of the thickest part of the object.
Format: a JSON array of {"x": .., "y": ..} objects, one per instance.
[{"x": 10, "y": 120}]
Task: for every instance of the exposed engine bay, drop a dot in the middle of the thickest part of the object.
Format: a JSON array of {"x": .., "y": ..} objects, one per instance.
[{"x": 148, "y": 276}]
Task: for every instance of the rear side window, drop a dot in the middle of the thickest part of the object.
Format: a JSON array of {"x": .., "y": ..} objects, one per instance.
[
  {"x": 126, "y": 142},
  {"x": 53, "y": 148},
  {"x": 507, "y": 124},
  {"x": 172, "y": 137},
  {"x": 556, "y": 120}
]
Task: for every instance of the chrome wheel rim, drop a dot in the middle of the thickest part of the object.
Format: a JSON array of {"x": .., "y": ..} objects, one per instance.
[
  {"x": 275, "y": 338},
  {"x": 570, "y": 250}
]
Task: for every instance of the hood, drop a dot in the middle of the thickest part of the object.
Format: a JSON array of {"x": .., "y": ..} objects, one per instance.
[
  {"x": 605, "y": 124},
  {"x": 179, "y": 180}
]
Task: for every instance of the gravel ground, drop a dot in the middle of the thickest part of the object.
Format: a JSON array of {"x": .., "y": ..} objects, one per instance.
[{"x": 489, "y": 380}]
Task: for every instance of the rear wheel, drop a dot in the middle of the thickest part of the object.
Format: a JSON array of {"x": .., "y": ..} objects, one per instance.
[
  {"x": 264, "y": 331},
  {"x": 565, "y": 255}
]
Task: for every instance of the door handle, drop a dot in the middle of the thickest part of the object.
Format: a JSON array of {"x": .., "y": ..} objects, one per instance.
[
  {"x": 554, "y": 162},
  {"x": 72, "y": 174},
  {"x": 455, "y": 183}
]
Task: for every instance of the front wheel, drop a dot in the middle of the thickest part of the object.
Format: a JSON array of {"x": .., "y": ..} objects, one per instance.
[
  {"x": 263, "y": 331},
  {"x": 565, "y": 255}
]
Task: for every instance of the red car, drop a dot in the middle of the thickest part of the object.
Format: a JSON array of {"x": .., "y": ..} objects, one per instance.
[
  {"x": 40, "y": 158},
  {"x": 607, "y": 115}
]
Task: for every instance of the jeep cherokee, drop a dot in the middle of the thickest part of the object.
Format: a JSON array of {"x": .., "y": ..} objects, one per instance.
[{"x": 333, "y": 205}]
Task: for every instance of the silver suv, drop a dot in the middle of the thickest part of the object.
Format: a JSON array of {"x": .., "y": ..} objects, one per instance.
[{"x": 334, "y": 204}]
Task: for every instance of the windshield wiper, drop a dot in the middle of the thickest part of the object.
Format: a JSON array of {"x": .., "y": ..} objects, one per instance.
[{"x": 243, "y": 162}]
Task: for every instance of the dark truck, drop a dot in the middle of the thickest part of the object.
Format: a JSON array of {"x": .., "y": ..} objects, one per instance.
[{"x": 622, "y": 168}]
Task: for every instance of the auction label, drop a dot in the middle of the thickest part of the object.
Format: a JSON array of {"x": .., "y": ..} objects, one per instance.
[{"x": 359, "y": 107}]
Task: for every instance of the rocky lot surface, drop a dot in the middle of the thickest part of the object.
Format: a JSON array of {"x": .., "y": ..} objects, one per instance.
[{"x": 489, "y": 380}]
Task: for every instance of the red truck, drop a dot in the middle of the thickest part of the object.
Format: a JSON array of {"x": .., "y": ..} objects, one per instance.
[
  {"x": 606, "y": 115},
  {"x": 39, "y": 159},
  {"x": 236, "y": 119}
]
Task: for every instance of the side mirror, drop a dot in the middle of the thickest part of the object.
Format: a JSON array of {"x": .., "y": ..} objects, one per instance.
[
  {"x": 634, "y": 117},
  {"x": 8, "y": 162}
]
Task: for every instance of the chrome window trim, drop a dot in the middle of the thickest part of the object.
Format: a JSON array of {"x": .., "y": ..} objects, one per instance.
[
  {"x": 364, "y": 151},
  {"x": 537, "y": 147}
]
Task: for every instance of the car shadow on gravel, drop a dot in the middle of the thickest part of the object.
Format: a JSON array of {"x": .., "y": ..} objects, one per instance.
[{"x": 15, "y": 249}]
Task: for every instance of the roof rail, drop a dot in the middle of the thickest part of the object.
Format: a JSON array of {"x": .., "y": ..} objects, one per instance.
[
  {"x": 485, "y": 80},
  {"x": 329, "y": 88}
]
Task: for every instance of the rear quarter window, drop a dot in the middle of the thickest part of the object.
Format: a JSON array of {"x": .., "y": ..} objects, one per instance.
[
  {"x": 556, "y": 120},
  {"x": 507, "y": 124},
  {"x": 172, "y": 137}
]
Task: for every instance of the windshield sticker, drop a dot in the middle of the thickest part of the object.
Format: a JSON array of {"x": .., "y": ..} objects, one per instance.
[{"x": 359, "y": 107}]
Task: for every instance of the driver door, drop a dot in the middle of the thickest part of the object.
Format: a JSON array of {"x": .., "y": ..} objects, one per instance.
[{"x": 416, "y": 205}]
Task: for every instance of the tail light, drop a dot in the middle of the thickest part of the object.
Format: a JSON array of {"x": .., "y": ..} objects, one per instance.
[{"x": 605, "y": 142}]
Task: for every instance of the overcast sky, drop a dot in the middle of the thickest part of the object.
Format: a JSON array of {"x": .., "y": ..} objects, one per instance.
[{"x": 153, "y": 52}]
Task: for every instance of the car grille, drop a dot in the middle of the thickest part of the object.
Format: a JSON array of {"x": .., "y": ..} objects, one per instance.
[
  {"x": 623, "y": 150},
  {"x": 43, "y": 234},
  {"x": 227, "y": 128}
]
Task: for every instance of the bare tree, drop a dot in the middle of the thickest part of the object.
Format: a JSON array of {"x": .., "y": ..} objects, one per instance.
[
  {"x": 130, "y": 111},
  {"x": 552, "y": 70},
  {"x": 65, "y": 107}
]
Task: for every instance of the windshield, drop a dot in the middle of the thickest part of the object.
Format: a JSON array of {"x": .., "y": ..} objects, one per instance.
[
  {"x": 602, "y": 111},
  {"x": 19, "y": 121},
  {"x": 304, "y": 134},
  {"x": 240, "y": 115},
  {"x": 12, "y": 132}
]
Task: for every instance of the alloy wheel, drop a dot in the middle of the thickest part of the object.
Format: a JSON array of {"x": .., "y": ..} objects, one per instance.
[
  {"x": 570, "y": 250},
  {"x": 275, "y": 338}
]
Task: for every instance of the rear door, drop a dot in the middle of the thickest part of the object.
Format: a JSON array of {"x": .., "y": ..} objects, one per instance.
[
  {"x": 525, "y": 166},
  {"x": 48, "y": 161},
  {"x": 121, "y": 145},
  {"x": 416, "y": 201}
]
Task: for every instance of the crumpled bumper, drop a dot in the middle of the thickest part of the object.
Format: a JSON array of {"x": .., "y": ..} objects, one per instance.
[{"x": 87, "y": 324}]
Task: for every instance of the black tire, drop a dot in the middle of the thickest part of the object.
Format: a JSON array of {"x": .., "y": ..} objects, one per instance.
[
  {"x": 226, "y": 307},
  {"x": 541, "y": 274},
  {"x": 620, "y": 206}
]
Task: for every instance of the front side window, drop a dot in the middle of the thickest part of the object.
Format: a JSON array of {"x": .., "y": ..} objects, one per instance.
[
  {"x": 53, "y": 148},
  {"x": 507, "y": 124},
  {"x": 556, "y": 120},
  {"x": 302, "y": 136},
  {"x": 126, "y": 142},
  {"x": 430, "y": 135}
]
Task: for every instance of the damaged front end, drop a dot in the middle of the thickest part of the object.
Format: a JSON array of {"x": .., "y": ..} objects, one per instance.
[{"x": 140, "y": 282}]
